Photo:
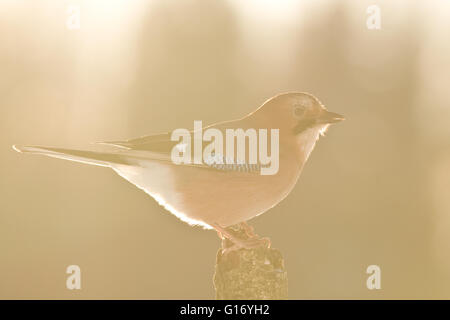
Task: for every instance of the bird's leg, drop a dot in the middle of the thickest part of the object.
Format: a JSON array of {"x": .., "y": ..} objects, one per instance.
[
  {"x": 253, "y": 241},
  {"x": 221, "y": 236}
]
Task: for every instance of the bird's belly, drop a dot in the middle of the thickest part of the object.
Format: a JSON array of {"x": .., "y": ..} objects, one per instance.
[
  {"x": 204, "y": 197},
  {"x": 232, "y": 198}
]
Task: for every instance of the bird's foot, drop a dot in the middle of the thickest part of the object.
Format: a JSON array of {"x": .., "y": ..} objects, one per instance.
[
  {"x": 249, "y": 230},
  {"x": 242, "y": 238},
  {"x": 247, "y": 244}
]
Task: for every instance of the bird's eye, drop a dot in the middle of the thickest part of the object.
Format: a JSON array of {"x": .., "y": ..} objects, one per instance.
[{"x": 299, "y": 111}]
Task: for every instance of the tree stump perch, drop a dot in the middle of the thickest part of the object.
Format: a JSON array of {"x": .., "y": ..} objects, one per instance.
[{"x": 250, "y": 274}]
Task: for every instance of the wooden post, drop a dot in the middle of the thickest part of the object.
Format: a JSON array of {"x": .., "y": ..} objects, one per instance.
[{"x": 251, "y": 274}]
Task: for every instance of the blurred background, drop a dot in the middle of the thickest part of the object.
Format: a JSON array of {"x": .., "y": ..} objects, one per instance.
[{"x": 375, "y": 190}]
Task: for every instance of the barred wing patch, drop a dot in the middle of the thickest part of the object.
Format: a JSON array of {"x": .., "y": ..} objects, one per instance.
[{"x": 219, "y": 162}]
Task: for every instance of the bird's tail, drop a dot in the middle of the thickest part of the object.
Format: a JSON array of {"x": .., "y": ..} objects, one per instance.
[{"x": 90, "y": 157}]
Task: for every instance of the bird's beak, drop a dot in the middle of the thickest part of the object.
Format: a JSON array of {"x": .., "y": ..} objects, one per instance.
[{"x": 327, "y": 117}]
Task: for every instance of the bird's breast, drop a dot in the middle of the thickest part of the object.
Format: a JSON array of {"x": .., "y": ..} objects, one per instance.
[{"x": 228, "y": 198}]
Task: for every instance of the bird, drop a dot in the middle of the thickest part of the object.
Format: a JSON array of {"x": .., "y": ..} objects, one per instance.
[{"x": 217, "y": 196}]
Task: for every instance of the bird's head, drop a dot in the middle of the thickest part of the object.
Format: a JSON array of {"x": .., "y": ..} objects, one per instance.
[{"x": 296, "y": 112}]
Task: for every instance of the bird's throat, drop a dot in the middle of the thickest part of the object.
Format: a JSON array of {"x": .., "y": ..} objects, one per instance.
[{"x": 307, "y": 140}]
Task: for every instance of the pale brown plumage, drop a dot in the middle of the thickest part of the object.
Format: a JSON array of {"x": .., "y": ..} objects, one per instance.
[{"x": 201, "y": 194}]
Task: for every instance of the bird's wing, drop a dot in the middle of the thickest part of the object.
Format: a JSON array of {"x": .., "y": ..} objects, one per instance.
[
  {"x": 162, "y": 146},
  {"x": 137, "y": 151},
  {"x": 160, "y": 143}
]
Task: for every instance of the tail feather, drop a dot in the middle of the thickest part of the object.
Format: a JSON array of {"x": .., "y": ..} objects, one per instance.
[{"x": 89, "y": 157}]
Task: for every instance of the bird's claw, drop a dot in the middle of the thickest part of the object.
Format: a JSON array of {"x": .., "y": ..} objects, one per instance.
[
  {"x": 242, "y": 238},
  {"x": 250, "y": 243}
]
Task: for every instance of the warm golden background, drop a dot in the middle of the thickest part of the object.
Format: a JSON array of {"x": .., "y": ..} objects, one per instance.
[{"x": 375, "y": 191}]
